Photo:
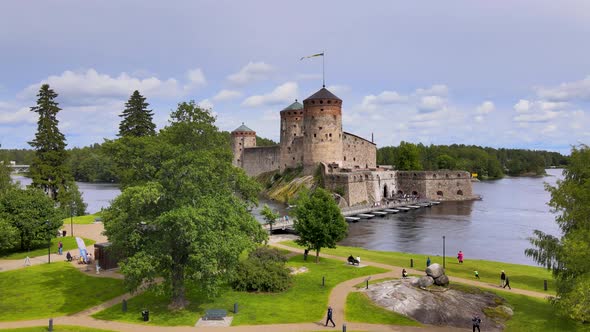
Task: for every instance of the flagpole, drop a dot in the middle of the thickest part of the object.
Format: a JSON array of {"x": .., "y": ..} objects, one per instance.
[{"x": 324, "y": 70}]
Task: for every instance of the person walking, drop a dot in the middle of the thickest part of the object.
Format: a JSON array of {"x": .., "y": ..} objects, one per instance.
[
  {"x": 60, "y": 248},
  {"x": 460, "y": 257},
  {"x": 476, "y": 274},
  {"x": 428, "y": 262},
  {"x": 507, "y": 283},
  {"x": 476, "y": 321},
  {"x": 502, "y": 278},
  {"x": 329, "y": 317}
]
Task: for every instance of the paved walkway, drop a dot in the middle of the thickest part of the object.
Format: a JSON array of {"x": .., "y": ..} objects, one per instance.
[{"x": 337, "y": 300}]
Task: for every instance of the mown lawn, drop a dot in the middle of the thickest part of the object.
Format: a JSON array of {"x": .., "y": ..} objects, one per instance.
[
  {"x": 305, "y": 301},
  {"x": 521, "y": 276},
  {"x": 359, "y": 308},
  {"x": 56, "y": 328},
  {"x": 69, "y": 243},
  {"x": 86, "y": 219},
  {"x": 51, "y": 290}
]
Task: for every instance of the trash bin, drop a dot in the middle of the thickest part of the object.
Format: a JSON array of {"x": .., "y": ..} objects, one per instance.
[
  {"x": 64, "y": 233},
  {"x": 146, "y": 315}
]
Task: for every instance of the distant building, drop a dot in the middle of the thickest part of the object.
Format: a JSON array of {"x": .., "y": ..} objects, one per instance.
[{"x": 312, "y": 137}]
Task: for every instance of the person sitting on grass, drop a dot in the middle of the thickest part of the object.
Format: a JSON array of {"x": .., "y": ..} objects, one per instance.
[
  {"x": 352, "y": 260},
  {"x": 404, "y": 273},
  {"x": 69, "y": 256}
]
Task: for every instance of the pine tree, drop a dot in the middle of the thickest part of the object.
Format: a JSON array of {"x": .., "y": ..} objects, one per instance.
[
  {"x": 49, "y": 169},
  {"x": 137, "y": 119}
]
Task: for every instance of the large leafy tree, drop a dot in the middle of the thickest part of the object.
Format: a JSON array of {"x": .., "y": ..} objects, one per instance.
[
  {"x": 319, "y": 223},
  {"x": 30, "y": 217},
  {"x": 137, "y": 119},
  {"x": 269, "y": 215},
  {"x": 49, "y": 169},
  {"x": 188, "y": 220},
  {"x": 568, "y": 256},
  {"x": 408, "y": 157}
]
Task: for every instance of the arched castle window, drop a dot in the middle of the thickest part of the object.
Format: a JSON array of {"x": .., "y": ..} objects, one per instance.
[
  {"x": 414, "y": 193},
  {"x": 458, "y": 175},
  {"x": 314, "y": 135},
  {"x": 344, "y": 158},
  {"x": 439, "y": 193},
  {"x": 434, "y": 176},
  {"x": 460, "y": 192},
  {"x": 446, "y": 175}
]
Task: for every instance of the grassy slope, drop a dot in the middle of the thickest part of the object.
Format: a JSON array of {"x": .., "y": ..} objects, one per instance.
[
  {"x": 87, "y": 219},
  {"x": 305, "y": 301},
  {"x": 68, "y": 242},
  {"x": 56, "y": 328},
  {"x": 359, "y": 308},
  {"x": 51, "y": 290},
  {"x": 521, "y": 276}
]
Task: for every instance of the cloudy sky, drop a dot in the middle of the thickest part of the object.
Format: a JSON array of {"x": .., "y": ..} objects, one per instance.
[{"x": 494, "y": 73}]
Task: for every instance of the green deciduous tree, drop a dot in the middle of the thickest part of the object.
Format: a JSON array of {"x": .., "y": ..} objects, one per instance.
[
  {"x": 319, "y": 223},
  {"x": 269, "y": 216},
  {"x": 568, "y": 256},
  {"x": 25, "y": 214},
  {"x": 49, "y": 169},
  {"x": 137, "y": 119},
  {"x": 187, "y": 220},
  {"x": 408, "y": 157}
]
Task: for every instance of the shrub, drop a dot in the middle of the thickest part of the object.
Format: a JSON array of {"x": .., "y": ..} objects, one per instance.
[{"x": 263, "y": 271}]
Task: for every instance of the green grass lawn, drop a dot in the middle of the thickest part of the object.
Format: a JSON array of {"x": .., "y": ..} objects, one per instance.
[
  {"x": 359, "y": 308},
  {"x": 56, "y": 328},
  {"x": 530, "y": 313},
  {"x": 305, "y": 301},
  {"x": 51, "y": 290},
  {"x": 69, "y": 243},
  {"x": 87, "y": 219},
  {"x": 521, "y": 276}
]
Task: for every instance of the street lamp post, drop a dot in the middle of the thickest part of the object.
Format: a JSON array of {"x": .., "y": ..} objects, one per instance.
[
  {"x": 72, "y": 207},
  {"x": 48, "y": 242},
  {"x": 444, "y": 265}
]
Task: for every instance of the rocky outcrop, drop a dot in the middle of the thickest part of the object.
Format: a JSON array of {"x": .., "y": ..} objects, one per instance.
[
  {"x": 435, "y": 270},
  {"x": 443, "y": 280},
  {"x": 425, "y": 281},
  {"x": 452, "y": 307}
]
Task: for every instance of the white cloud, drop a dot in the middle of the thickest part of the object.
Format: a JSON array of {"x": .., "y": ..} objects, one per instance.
[
  {"x": 431, "y": 103},
  {"x": 339, "y": 89},
  {"x": 567, "y": 91},
  {"x": 283, "y": 94},
  {"x": 384, "y": 98},
  {"x": 541, "y": 116},
  {"x": 206, "y": 103},
  {"x": 78, "y": 87},
  {"x": 253, "y": 71},
  {"x": 523, "y": 106},
  {"x": 485, "y": 108},
  {"x": 11, "y": 114},
  {"x": 436, "y": 90},
  {"x": 226, "y": 95},
  {"x": 196, "y": 77}
]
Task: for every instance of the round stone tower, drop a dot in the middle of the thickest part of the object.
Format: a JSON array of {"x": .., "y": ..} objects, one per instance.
[
  {"x": 241, "y": 138},
  {"x": 291, "y": 136},
  {"x": 322, "y": 127}
]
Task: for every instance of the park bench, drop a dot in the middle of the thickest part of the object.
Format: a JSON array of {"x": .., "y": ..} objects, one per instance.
[{"x": 215, "y": 314}]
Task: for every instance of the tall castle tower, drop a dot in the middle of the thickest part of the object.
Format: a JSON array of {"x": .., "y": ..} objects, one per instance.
[
  {"x": 322, "y": 127},
  {"x": 291, "y": 136},
  {"x": 241, "y": 138}
]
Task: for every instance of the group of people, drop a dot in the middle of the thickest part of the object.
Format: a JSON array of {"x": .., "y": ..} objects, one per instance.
[{"x": 354, "y": 261}]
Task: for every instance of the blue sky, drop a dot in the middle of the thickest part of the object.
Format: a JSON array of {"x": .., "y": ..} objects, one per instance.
[{"x": 494, "y": 73}]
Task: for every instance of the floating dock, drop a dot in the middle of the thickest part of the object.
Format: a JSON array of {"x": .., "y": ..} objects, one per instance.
[
  {"x": 379, "y": 213},
  {"x": 403, "y": 208},
  {"x": 365, "y": 215},
  {"x": 352, "y": 218},
  {"x": 391, "y": 210},
  {"x": 414, "y": 206}
]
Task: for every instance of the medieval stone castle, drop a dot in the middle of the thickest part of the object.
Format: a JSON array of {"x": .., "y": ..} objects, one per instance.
[{"x": 312, "y": 137}]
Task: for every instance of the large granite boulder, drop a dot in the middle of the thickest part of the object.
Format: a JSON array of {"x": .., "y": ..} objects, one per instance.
[
  {"x": 425, "y": 281},
  {"x": 442, "y": 280},
  {"x": 435, "y": 270},
  {"x": 415, "y": 281}
]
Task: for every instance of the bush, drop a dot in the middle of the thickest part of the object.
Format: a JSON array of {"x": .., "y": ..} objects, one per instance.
[{"x": 263, "y": 271}]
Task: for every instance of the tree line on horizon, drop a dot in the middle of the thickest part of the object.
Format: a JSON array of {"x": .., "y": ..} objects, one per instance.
[{"x": 486, "y": 162}]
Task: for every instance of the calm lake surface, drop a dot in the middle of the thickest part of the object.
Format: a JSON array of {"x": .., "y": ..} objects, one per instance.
[{"x": 495, "y": 228}]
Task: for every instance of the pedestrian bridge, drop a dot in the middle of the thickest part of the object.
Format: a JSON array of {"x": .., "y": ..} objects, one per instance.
[{"x": 19, "y": 168}]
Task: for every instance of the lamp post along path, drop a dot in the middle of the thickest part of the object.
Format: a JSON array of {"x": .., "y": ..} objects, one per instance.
[{"x": 444, "y": 265}]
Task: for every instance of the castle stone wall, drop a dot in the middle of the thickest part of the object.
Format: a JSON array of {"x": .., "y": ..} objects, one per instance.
[
  {"x": 239, "y": 142},
  {"x": 362, "y": 187},
  {"x": 437, "y": 185},
  {"x": 322, "y": 127},
  {"x": 261, "y": 159},
  {"x": 358, "y": 153},
  {"x": 291, "y": 139}
]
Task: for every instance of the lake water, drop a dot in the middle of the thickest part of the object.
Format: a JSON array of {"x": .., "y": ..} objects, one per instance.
[{"x": 495, "y": 228}]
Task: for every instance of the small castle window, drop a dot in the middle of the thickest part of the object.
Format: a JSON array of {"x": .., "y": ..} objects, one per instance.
[
  {"x": 446, "y": 175},
  {"x": 300, "y": 112},
  {"x": 321, "y": 128},
  {"x": 294, "y": 134},
  {"x": 329, "y": 101},
  {"x": 354, "y": 159},
  {"x": 321, "y": 102},
  {"x": 240, "y": 143},
  {"x": 314, "y": 135},
  {"x": 330, "y": 134},
  {"x": 296, "y": 119},
  {"x": 334, "y": 117},
  {"x": 344, "y": 158},
  {"x": 294, "y": 126},
  {"x": 238, "y": 159},
  {"x": 459, "y": 175},
  {"x": 322, "y": 109},
  {"x": 460, "y": 192},
  {"x": 293, "y": 158},
  {"x": 313, "y": 101}
]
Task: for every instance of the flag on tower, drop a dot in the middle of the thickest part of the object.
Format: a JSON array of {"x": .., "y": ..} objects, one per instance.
[{"x": 311, "y": 56}]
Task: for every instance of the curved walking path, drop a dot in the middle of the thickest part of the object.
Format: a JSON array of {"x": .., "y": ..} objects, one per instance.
[{"x": 337, "y": 300}]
